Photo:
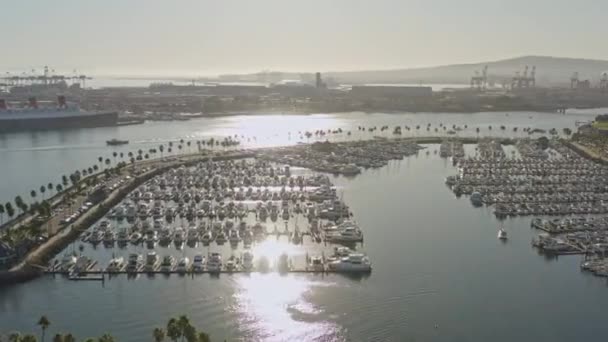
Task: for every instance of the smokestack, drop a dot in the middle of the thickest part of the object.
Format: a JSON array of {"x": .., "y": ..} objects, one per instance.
[
  {"x": 33, "y": 102},
  {"x": 61, "y": 101},
  {"x": 3, "y": 104}
]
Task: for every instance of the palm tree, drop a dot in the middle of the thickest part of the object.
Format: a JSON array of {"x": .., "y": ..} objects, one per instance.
[
  {"x": 107, "y": 161},
  {"x": 58, "y": 188},
  {"x": 121, "y": 155},
  {"x": 14, "y": 337},
  {"x": 9, "y": 209},
  {"x": 64, "y": 180},
  {"x": 90, "y": 170},
  {"x": 173, "y": 331},
  {"x": 95, "y": 167},
  {"x": 179, "y": 147},
  {"x": 58, "y": 338},
  {"x": 44, "y": 323},
  {"x": 188, "y": 144},
  {"x": 159, "y": 334},
  {"x": 19, "y": 202},
  {"x": 100, "y": 159},
  {"x": 146, "y": 156},
  {"x": 1, "y": 213},
  {"x": 183, "y": 322},
  {"x": 42, "y": 190},
  {"x": 29, "y": 338},
  {"x": 33, "y": 194},
  {"x": 161, "y": 148},
  {"x": 106, "y": 338},
  {"x": 203, "y": 337}
]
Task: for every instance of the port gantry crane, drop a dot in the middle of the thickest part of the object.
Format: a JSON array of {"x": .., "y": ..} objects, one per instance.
[{"x": 480, "y": 81}]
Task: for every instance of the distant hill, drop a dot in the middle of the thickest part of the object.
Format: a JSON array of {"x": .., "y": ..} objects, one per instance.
[{"x": 550, "y": 71}]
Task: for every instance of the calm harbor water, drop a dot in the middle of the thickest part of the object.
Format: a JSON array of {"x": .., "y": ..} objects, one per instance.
[{"x": 439, "y": 272}]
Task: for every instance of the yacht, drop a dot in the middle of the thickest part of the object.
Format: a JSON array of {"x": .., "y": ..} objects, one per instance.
[
  {"x": 109, "y": 236},
  {"x": 151, "y": 262},
  {"x": 341, "y": 251},
  {"x": 165, "y": 235},
  {"x": 116, "y": 265},
  {"x": 83, "y": 263},
  {"x": 123, "y": 236},
  {"x": 182, "y": 265},
  {"x": 231, "y": 264},
  {"x": 178, "y": 236},
  {"x": 247, "y": 261},
  {"x": 134, "y": 263},
  {"x": 348, "y": 234},
  {"x": 135, "y": 238},
  {"x": 166, "y": 266},
  {"x": 67, "y": 262},
  {"x": 247, "y": 237},
  {"x": 192, "y": 235},
  {"x": 234, "y": 236},
  {"x": 296, "y": 237},
  {"x": 502, "y": 234},
  {"x": 315, "y": 264},
  {"x": 96, "y": 236},
  {"x": 283, "y": 265},
  {"x": 220, "y": 238},
  {"x": 207, "y": 238},
  {"x": 198, "y": 264},
  {"x": 214, "y": 262},
  {"x": 354, "y": 262}
]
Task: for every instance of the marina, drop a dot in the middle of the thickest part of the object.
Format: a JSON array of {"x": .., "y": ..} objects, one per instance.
[{"x": 232, "y": 203}]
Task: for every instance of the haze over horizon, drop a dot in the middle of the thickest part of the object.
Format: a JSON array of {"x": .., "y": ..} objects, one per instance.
[{"x": 205, "y": 38}]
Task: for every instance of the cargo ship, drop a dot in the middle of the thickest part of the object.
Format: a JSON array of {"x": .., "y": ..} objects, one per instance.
[{"x": 61, "y": 116}]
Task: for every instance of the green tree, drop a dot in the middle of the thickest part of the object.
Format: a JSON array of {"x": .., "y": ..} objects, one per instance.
[
  {"x": 44, "y": 323},
  {"x": 2, "y": 210},
  {"x": 69, "y": 338},
  {"x": 159, "y": 334},
  {"x": 58, "y": 338}
]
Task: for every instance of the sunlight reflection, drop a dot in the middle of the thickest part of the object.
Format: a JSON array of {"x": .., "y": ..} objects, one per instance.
[{"x": 273, "y": 308}]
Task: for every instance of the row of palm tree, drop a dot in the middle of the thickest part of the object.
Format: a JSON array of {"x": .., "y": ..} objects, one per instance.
[{"x": 178, "y": 329}]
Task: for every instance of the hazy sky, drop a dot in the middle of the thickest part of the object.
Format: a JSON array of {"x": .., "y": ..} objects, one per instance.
[{"x": 201, "y": 37}]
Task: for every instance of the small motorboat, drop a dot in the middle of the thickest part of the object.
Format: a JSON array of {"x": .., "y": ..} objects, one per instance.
[{"x": 502, "y": 234}]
